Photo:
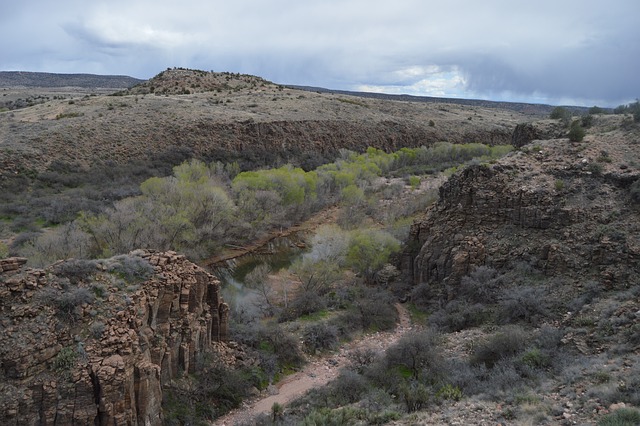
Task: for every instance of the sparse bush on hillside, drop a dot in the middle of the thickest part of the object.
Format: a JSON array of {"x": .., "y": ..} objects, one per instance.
[
  {"x": 458, "y": 315},
  {"x": 507, "y": 343},
  {"x": 76, "y": 270},
  {"x": 319, "y": 337},
  {"x": 621, "y": 417},
  {"x": 4, "y": 250},
  {"x": 632, "y": 108},
  {"x": 560, "y": 113},
  {"x": 481, "y": 285},
  {"x": 523, "y": 303},
  {"x": 576, "y": 132},
  {"x": 420, "y": 354},
  {"x": 67, "y": 301}
]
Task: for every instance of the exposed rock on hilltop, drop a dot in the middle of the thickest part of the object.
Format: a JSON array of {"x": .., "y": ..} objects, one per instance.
[
  {"x": 83, "y": 343},
  {"x": 554, "y": 203},
  {"x": 180, "y": 81},
  {"x": 565, "y": 209}
]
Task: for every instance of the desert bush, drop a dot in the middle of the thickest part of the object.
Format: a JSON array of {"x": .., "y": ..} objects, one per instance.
[
  {"x": 273, "y": 339},
  {"x": 319, "y": 337},
  {"x": 65, "y": 360},
  {"x": 535, "y": 358},
  {"x": 415, "y": 395},
  {"x": 76, "y": 270},
  {"x": 560, "y": 113},
  {"x": 375, "y": 310},
  {"x": 458, "y": 315},
  {"x": 586, "y": 121},
  {"x": 621, "y": 417},
  {"x": 131, "y": 268},
  {"x": 507, "y": 343},
  {"x": 4, "y": 250},
  {"x": 449, "y": 392},
  {"x": 211, "y": 392},
  {"x": 338, "y": 417},
  {"x": 62, "y": 242},
  {"x": 361, "y": 358},
  {"x": 418, "y": 353},
  {"x": 576, "y": 132},
  {"x": 67, "y": 301},
  {"x": 423, "y": 294},
  {"x": 481, "y": 285},
  {"x": 304, "y": 303},
  {"x": 347, "y": 388},
  {"x": 523, "y": 303},
  {"x": 96, "y": 329},
  {"x": 590, "y": 290}
]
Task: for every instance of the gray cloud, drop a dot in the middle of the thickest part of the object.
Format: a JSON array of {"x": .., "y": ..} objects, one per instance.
[{"x": 582, "y": 52}]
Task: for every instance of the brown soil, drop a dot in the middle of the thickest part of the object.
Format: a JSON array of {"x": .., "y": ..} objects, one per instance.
[{"x": 318, "y": 372}]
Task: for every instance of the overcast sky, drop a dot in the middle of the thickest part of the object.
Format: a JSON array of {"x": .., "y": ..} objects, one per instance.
[{"x": 543, "y": 51}]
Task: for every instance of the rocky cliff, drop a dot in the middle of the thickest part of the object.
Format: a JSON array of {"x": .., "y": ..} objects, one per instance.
[
  {"x": 94, "y": 342},
  {"x": 564, "y": 208}
]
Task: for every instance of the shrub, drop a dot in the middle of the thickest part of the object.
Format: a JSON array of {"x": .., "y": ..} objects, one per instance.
[
  {"x": 449, "y": 392},
  {"x": 535, "y": 358},
  {"x": 375, "y": 310},
  {"x": 76, "y": 270},
  {"x": 130, "y": 268},
  {"x": 361, "y": 358},
  {"x": 576, "y": 132},
  {"x": 4, "y": 250},
  {"x": 319, "y": 337},
  {"x": 305, "y": 303},
  {"x": 347, "y": 388},
  {"x": 458, "y": 315},
  {"x": 507, "y": 343},
  {"x": 560, "y": 113},
  {"x": 419, "y": 353},
  {"x": 66, "y": 301},
  {"x": 586, "y": 120},
  {"x": 522, "y": 304},
  {"x": 481, "y": 285},
  {"x": 65, "y": 360},
  {"x": 415, "y": 395},
  {"x": 621, "y": 417}
]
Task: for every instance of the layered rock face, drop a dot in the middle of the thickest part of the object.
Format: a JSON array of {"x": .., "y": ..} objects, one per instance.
[
  {"x": 563, "y": 208},
  {"x": 91, "y": 347}
]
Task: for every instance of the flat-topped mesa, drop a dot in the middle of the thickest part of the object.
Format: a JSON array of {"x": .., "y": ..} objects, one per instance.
[{"x": 83, "y": 342}]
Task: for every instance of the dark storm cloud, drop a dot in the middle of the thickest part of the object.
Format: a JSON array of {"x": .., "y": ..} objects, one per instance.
[{"x": 545, "y": 51}]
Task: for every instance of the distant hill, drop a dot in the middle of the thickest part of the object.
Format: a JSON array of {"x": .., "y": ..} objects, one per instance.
[
  {"x": 522, "y": 107},
  {"x": 44, "y": 79}
]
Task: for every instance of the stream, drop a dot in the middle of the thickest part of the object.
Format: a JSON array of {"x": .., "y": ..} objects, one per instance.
[{"x": 278, "y": 254}]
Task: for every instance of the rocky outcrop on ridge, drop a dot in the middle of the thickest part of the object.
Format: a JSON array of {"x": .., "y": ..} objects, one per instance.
[
  {"x": 565, "y": 208},
  {"x": 94, "y": 342}
]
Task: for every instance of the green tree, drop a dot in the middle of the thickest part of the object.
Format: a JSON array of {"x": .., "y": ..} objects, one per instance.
[
  {"x": 576, "y": 132},
  {"x": 368, "y": 250},
  {"x": 560, "y": 113}
]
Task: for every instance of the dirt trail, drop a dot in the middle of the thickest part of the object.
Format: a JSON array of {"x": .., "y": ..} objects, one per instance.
[{"x": 317, "y": 373}]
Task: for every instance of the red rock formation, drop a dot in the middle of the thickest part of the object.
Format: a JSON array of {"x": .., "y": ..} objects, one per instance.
[{"x": 107, "y": 361}]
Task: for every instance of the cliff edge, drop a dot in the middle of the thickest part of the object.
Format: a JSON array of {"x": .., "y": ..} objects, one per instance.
[{"x": 94, "y": 342}]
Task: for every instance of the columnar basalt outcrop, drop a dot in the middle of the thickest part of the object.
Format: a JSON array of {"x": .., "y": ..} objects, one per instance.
[
  {"x": 554, "y": 205},
  {"x": 98, "y": 350}
]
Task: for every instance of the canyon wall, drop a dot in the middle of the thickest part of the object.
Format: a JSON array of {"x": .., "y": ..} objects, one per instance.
[{"x": 87, "y": 344}]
